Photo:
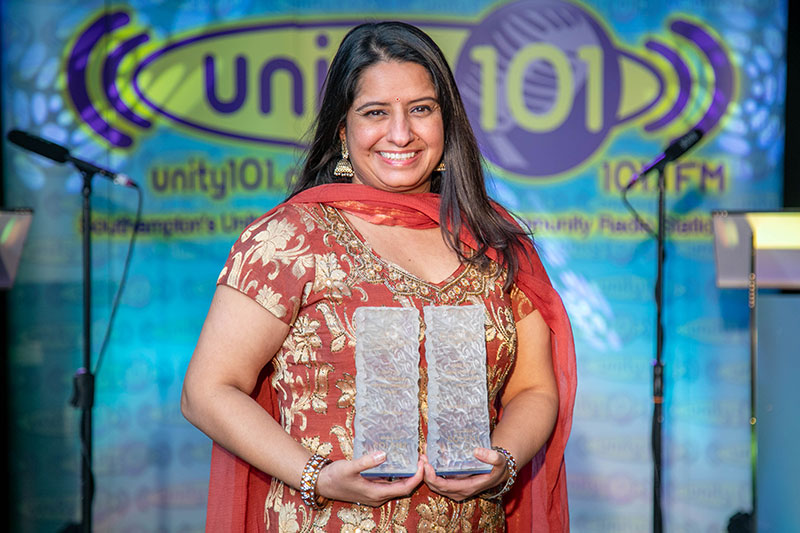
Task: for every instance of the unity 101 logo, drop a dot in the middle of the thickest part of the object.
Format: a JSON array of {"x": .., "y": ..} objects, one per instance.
[{"x": 543, "y": 81}]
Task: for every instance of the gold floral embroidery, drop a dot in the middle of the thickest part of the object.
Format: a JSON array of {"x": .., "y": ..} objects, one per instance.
[
  {"x": 399, "y": 516},
  {"x": 434, "y": 516},
  {"x": 270, "y": 300},
  {"x": 274, "y": 500},
  {"x": 493, "y": 517},
  {"x": 330, "y": 277},
  {"x": 315, "y": 445},
  {"x": 309, "y": 391},
  {"x": 319, "y": 395},
  {"x": 520, "y": 303},
  {"x": 347, "y": 401},
  {"x": 318, "y": 350},
  {"x": 270, "y": 246},
  {"x": 423, "y": 408},
  {"x": 321, "y": 519},
  {"x": 272, "y": 241},
  {"x": 287, "y": 518},
  {"x": 367, "y": 266},
  {"x": 338, "y": 332},
  {"x": 501, "y": 329},
  {"x": 347, "y": 385},
  {"x": 465, "y": 513},
  {"x": 345, "y": 438},
  {"x": 356, "y": 519},
  {"x": 306, "y": 340}
]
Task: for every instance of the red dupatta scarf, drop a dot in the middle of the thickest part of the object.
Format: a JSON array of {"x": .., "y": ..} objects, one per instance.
[{"x": 538, "y": 502}]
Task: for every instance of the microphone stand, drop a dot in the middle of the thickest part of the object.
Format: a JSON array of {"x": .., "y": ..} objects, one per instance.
[
  {"x": 83, "y": 381},
  {"x": 676, "y": 149},
  {"x": 658, "y": 365}
]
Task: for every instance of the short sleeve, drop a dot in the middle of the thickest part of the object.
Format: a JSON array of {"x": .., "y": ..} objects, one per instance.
[
  {"x": 521, "y": 305},
  {"x": 272, "y": 262}
]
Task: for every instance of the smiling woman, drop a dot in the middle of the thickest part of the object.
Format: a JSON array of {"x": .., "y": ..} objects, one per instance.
[
  {"x": 389, "y": 211},
  {"x": 394, "y": 131}
]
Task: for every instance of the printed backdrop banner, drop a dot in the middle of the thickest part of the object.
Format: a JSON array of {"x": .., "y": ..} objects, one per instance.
[{"x": 206, "y": 105}]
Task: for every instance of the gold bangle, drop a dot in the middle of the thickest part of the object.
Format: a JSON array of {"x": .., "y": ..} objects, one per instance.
[
  {"x": 511, "y": 465},
  {"x": 308, "y": 482}
]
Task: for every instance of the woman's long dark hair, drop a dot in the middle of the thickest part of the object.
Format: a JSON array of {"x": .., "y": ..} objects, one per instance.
[{"x": 465, "y": 206}]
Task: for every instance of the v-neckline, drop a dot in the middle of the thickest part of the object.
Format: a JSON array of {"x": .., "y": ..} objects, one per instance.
[{"x": 453, "y": 277}]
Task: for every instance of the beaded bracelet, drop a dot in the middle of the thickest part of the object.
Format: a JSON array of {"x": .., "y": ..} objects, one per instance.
[
  {"x": 308, "y": 482},
  {"x": 511, "y": 465}
]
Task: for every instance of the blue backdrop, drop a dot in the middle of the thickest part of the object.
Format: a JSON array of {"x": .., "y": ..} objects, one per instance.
[{"x": 205, "y": 104}]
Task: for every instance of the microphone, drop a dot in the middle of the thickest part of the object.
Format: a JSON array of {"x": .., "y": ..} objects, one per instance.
[
  {"x": 676, "y": 149},
  {"x": 59, "y": 154}
]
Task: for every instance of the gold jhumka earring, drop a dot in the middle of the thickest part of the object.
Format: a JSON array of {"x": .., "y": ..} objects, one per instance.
[
  {"x": 441, "y": 167},
  {"x": 343, "y": 166}
]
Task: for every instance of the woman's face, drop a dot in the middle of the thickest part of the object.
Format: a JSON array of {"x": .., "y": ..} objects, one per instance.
[{"x": 394, "y": 128}]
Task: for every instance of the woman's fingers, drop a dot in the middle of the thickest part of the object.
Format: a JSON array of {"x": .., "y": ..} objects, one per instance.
[
  {"x": 462, "y": 487},
  {"x": 343, "y": 480},
  {"x": 384, "y": 490},
  {"x": 365, "y": 462},
  {"x": 492, "y": 457}
]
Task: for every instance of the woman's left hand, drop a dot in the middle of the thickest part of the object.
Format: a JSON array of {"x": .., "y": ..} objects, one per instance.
[{"x": 460, "y": 488}]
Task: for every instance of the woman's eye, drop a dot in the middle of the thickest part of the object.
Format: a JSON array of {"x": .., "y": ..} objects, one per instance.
[
  {"x": 421, "y": 109},
  {"x": 374, "y": 113}
]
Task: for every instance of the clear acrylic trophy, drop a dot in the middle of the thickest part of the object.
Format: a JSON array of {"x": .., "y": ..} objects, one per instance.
[
  {"x": 458, "y": 409},
  {"x": 387, "y": 388}
]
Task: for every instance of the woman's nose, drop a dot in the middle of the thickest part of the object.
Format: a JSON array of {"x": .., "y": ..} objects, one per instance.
[{"x": 400, "y": 132}]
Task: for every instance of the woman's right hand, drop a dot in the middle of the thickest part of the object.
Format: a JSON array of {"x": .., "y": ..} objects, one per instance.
[{"x": 342, "y": 480}]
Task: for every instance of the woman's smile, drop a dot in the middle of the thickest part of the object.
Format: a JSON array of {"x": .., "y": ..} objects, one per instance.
[
  {"x": 398, "y": 157},
  {"x": 394, "y": 130}
]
